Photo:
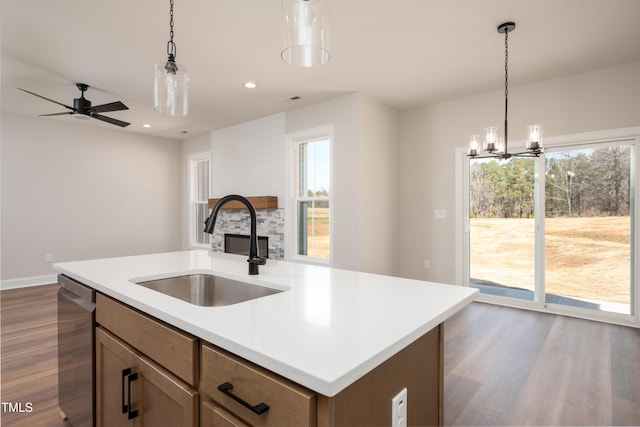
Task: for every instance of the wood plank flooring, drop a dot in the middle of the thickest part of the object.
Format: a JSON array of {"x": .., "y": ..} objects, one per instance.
[
  {"x": 503, "y": 366},
  {"x": 29, "y": 356}
]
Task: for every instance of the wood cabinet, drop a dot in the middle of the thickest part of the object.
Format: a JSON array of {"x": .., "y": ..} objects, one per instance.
[
  {"x": 132, "y": 389},
  {"x": 174, "y": 379},
  {"x": 170, "y": 347},
  {"x": 252, "y": 394},
  {"x": 212, "y": 415},
  {"x": 366, "y": 402}
]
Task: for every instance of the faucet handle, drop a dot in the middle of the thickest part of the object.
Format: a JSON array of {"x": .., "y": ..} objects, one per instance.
[{"x": 257, "y": 260}]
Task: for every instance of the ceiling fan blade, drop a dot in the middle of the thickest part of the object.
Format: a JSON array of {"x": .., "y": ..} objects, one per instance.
[
  {"x": 113, "y": 106},
  {"x": 56, "y": 114},
  {"x": 50, "y": 100},
  {"x": 110, "y": 120}
]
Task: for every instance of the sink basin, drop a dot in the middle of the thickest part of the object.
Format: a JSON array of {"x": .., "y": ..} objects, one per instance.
[{"x": 208, "y": 290}]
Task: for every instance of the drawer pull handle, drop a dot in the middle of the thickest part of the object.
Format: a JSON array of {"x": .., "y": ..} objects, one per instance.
[
  {"x": 259, "y": 409},
  {"x": 125, "y": 373},
  {"x": 132, "y": 413}
]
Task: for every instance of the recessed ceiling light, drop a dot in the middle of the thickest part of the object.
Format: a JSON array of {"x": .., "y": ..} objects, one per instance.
[
  {"x": 146, "y": 125},
  {"x": 250, "y": 85}
]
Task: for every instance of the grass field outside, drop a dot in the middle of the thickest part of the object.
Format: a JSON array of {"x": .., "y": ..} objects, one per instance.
[
  {"x": 585, "y": 257},
  {"x": 318, "y": 233}
]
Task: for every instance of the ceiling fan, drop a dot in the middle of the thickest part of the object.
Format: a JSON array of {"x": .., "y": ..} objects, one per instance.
[{"x": 82, "y": 108}]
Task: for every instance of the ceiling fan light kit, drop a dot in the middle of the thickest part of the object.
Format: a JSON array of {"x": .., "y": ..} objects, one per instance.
[
  {"x": 494, "y": 145},
  {"x": 306, "y": 32},
  {"x": 171, "y": 81}
]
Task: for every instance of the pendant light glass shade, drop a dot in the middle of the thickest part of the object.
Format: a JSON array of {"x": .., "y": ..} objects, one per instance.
[
  {"x": 534, "y": 142},
  {"x": 171, "y": 81},
  {"x": 171, "y": 89},
  {"x": 490, "y": 139},
  {"x": 306, "y": 32}
]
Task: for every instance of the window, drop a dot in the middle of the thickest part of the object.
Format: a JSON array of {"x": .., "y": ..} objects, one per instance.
[
  {"x": 199, "y": 168},
  {"x": 312, "y": 196}
]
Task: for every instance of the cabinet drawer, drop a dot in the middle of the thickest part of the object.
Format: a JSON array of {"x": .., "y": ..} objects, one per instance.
[
  {"x": 289, "y": 404},
  {"x": 175, "y": 350},
  {"x": 211, "y": 415}
]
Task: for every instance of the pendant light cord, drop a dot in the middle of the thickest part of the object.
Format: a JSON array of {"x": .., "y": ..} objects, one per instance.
[
  {"x": 506, "y": 85},
  {"x": 171, "y": 46}
]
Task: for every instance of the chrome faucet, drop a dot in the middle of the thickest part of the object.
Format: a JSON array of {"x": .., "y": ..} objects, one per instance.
[{"x": 254, "y": 259}]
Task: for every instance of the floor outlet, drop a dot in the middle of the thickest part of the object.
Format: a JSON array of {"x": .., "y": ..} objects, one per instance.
[{"x": 399, "y": 409}]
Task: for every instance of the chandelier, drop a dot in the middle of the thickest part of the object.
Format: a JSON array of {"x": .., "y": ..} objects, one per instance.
[
  {"x": 171, "y": 82},
  {"x": 494, "y": 145}
]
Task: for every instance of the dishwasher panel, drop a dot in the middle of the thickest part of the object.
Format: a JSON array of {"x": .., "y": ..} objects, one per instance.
[{"x": 76, "y": 344}]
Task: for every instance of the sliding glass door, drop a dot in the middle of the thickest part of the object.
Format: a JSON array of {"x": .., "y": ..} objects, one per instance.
[
  {"x": 588, "y": 227},
  {"x": 556, "y": 231},
  {"x": 502, "y": 227}
]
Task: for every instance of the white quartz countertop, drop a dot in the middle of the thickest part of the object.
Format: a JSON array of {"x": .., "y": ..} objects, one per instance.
[{"x": 329, "y": 328}]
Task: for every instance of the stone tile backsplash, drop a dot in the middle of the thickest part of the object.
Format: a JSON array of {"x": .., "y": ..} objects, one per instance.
[{"x": 236, "y": 221}]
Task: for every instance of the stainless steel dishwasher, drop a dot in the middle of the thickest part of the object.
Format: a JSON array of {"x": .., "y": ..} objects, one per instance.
[{"x": 76, "y": 343}]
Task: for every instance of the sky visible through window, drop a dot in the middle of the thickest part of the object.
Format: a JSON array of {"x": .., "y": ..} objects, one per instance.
[{"x": 318, "y": 166}]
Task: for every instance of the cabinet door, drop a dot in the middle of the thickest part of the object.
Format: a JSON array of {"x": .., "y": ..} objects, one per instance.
[
  {"x": 124, "y": 377},
  {"x": 164, "y": 400},
  {"x": 112, "y": 358}
]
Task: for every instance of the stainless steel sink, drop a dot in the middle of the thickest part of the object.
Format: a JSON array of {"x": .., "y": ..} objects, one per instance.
[{"x": 208, "y": 290}]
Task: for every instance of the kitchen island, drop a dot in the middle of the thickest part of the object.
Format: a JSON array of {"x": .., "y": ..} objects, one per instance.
[{"x": 330, "y": 331}]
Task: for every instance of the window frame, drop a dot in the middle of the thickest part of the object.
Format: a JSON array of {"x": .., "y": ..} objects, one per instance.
[
  {"x": 294, "y": 140},
  {"x": 193, "y": 183}
]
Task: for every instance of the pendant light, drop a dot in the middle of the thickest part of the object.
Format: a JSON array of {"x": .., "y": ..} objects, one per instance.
[
  {"x": 494, "y": 145},
  {"x": 171, "y": 82},
  {"x": 306, "y": 32}
]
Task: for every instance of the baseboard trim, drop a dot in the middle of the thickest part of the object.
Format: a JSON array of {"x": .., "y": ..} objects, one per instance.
[{"x": 26, "y": 282}]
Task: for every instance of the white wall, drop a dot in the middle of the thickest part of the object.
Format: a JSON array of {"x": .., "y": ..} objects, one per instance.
[
  {"x": 250, "y": 159},
  {"x": 378, "y": 184},
  {"x": 596, "y": 100},
  {"x": 77, "y": 192}
]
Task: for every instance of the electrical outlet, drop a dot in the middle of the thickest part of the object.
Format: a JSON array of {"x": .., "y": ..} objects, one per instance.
[
  {"x": 399, "y": 409},
  {"x": 48, "y": 258},
  {"x": 440, "y": 213},
  {"x": 427, "y": 264}
]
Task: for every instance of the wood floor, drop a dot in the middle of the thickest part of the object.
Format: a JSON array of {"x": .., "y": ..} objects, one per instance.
[
  {"x": 503, "y": 366},
  {"x": 28, "y": 353}
]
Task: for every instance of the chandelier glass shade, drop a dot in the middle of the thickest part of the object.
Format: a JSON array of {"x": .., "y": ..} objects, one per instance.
[
  {"x": 305, "y": 32},
  {"x": 493, "y": 145},
  {"x": 171, "y": 81}
]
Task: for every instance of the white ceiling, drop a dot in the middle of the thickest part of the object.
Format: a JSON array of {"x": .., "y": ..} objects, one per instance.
[{"x": 405, "y": 53}]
